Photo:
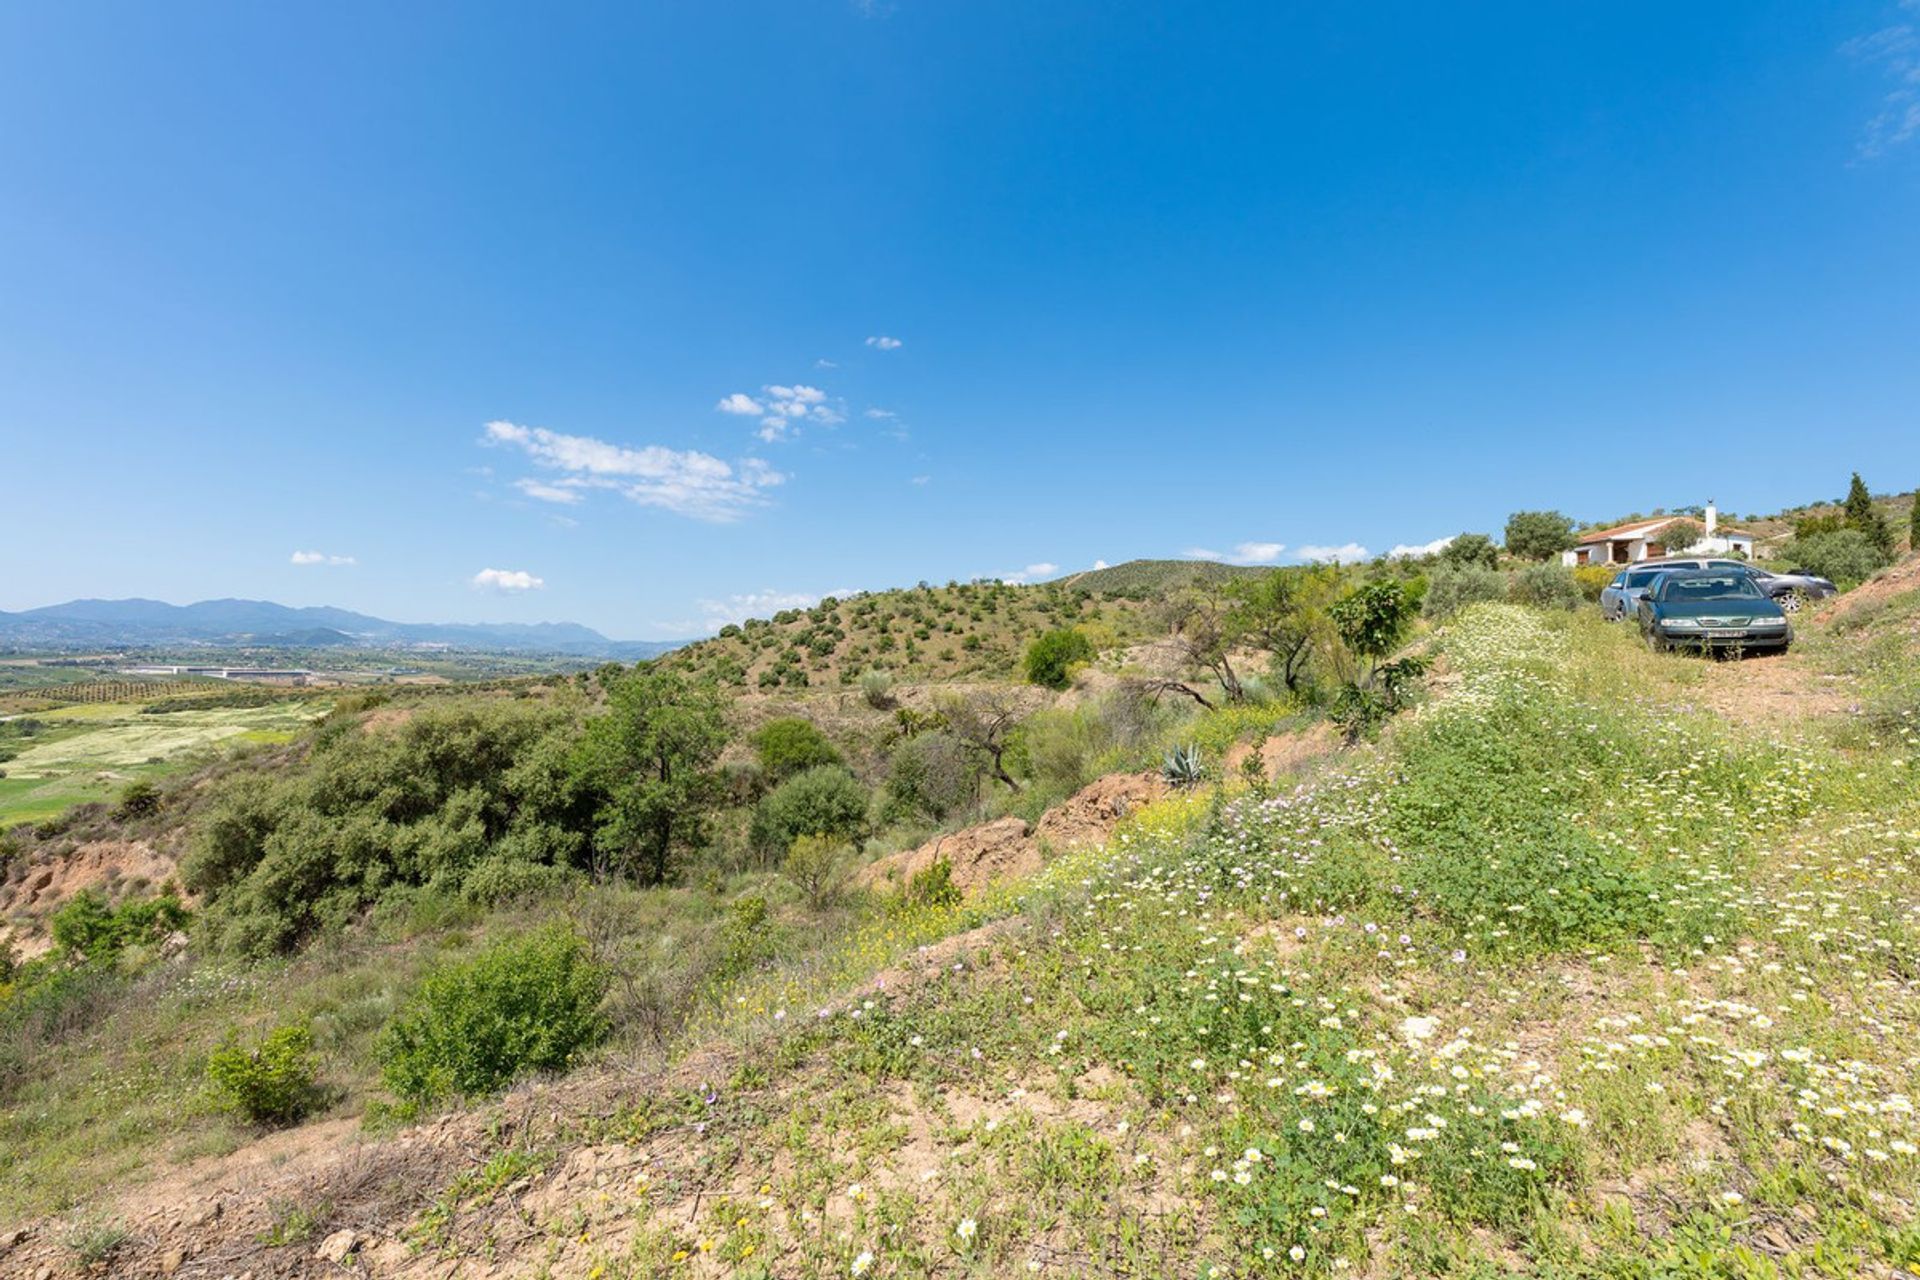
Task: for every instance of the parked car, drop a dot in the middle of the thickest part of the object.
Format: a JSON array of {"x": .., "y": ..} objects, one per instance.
[
  {"x": 1619, "y": 598},
  {"x": 1712, "y": 609},
  {"x": 1792, "y": 588}
]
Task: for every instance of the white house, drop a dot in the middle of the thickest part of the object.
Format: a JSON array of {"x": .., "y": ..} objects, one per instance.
[{"x": 1642, "y": 540}]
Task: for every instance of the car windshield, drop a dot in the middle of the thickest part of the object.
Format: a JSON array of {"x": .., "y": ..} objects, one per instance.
[
  {"x": 1709, "y": 586},
  {"x": 1643, "y": 577}
]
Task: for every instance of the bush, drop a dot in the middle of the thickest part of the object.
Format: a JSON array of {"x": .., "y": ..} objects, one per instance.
[
  {"x": 1454, "y": 587},
  {"x": 933, "y": 886},
  {"x": 503, "y": 878},
  {"x": 876, "y": 687},
  {"x": 823, "y": 801},
  {"x": 791, "y": 745},
  {"x": 272, "y": 1083},
  {"x": 817, "y": 867},
  {"x": 1546, "y": 586},
  {"x": 1847, "y": 556},
  {"x": 931, "y": 775},
  {"x": 87, "y": 928},
  {"x": 530, "y": 1003},
  {"x": 1052, "y": 657},
  {"x": 281, "y": 857},
  {"x": 141, "y": 799},
  {"x": 1592, "y": 579}
]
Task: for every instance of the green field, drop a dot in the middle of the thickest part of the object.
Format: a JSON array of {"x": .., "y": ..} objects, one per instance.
[{"x": 89, "y": 752}]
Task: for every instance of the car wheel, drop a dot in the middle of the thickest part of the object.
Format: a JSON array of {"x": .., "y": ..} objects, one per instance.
[
  {"x": 1654, "y": 643},
  {"x": 1792, "y": 600}
]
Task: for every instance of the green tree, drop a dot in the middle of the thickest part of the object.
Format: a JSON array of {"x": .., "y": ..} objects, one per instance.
[
  {"x": 1862, "y": 515},
  {"x": 1536, "y": 535},
  {"x": 651, "y": 755},
  {"x": 1283, "y": 614},
  {"x": 1913, "y": 523},
  {"x": 1372, "y": 622},
  {"x": 824, "y": 801},
  {"x": 1471, "y": 550},
  {"x": 791, "y": 745},
  {"x": 1050, "y": 658}
]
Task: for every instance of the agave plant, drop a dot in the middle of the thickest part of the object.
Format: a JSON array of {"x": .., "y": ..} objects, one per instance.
[{"x": 1181, "y": 768}]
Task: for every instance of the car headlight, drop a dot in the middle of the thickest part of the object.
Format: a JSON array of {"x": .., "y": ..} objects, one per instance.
[
  {"x": 1680, "y": 624},
  {"x": 1768, "y": 624}
]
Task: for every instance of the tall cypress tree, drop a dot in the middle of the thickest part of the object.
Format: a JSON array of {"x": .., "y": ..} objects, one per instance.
[
  {"x": 1862, "y": 515},
  {"x": 1913, "y": 524}
]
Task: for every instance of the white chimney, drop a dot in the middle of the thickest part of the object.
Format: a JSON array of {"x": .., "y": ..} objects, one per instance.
[{"x": 1713, "y": 517}]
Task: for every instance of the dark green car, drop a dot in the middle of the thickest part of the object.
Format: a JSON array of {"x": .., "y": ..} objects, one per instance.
[{"x": 1712, "y": 609}]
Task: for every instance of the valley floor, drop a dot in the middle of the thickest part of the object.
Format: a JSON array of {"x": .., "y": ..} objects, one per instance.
[{"x": 1603, "y": 964}]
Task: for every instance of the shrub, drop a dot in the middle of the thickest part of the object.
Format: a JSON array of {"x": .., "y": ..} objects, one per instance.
[
  {"x": 502, "y": 878},
  {"x": 87, "y": 928},
  {"x": 824, "y": 801},
  {"x": 141, "y": 799},
  {"x": 876, "y": 687},
  {"x": 1454, "y": 587},
  {"x": 281, "y": 857},
  {"x": 1546, "y": 586},
  {"x": 746, "y": 936},
  {"x": 817, "y": 867},
  {"x": 1592, "y": 579},
  {"x": 931, "y": 775},
  {"x": 791, "y": 745},
  {"x": 1847, "y": 556},
  {"x": 1052, "y": 657},
  {"x": 272, "y": 1083},
  {"x": 933, "y": 886},
  {"x": 530, "y": 1003}
]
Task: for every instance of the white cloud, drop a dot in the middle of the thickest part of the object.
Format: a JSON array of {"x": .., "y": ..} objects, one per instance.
[
  {"x": 760, "y": 604},
  {"x": 880, "y": 342},
  {"x": 881, "y": 414},
  {"x": 320, "y": 557},
  {"x": 549, "y": 492},
  {"x": 782, "y": 409},
  {"x": 922, "y": 480},
  {"x": 507, "y": 580},
  {"x": 1896, "y": 50},
  {"x": 824, "y": 363},
  {"x": 685, "y": 482},
  {"x": 1242, "y": 553},
  {"x": 1100, "y": 564},
  {"x": 1345, "y": 553},
  {"x": 1032, "y": 573},
  {"x": 1404, "y": 551}
]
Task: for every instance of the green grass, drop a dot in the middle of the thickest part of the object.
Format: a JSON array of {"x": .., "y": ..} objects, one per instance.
[{"x": 91, "y": 751}]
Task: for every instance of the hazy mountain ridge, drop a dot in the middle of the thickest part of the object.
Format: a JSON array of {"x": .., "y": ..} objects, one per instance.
[{"x": 232, "y": 623}]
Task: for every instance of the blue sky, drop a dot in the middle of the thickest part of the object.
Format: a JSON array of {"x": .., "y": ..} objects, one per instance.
[{"x": 666, "y": 313}]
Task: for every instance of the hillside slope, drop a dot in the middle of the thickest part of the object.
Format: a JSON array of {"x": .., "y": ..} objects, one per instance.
[{"x": 1565, "y": 978}]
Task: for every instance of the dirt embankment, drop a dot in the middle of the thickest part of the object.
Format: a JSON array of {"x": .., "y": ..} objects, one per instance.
[
  {"x": 107, "y": 866},
  {"x": 1009, "y": 848}
]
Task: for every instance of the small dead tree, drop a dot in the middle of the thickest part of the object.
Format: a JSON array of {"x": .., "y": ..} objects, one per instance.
[{"x": 983, "y": 720}]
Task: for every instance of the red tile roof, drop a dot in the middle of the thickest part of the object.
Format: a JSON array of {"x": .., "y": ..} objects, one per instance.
[{"x": 1635, "y": 528}]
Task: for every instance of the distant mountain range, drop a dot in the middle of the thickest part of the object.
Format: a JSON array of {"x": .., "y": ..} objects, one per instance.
[{"x": 262, "y": 624}]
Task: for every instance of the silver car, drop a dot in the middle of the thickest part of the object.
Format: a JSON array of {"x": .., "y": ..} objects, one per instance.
[
  {"x": 1621, "y": 597},
  {"x": 1789, "y": 590}
]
